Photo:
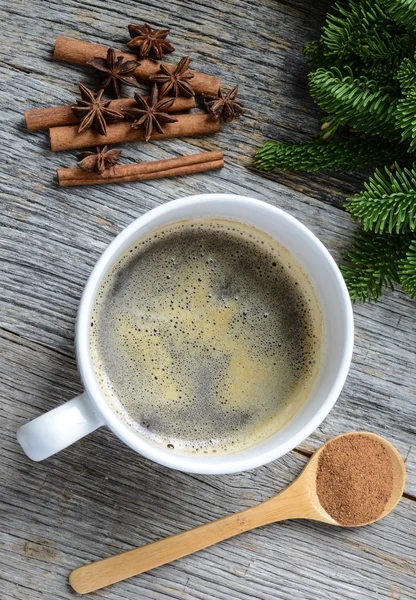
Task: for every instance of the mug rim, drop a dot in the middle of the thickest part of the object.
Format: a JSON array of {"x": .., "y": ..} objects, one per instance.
[{"x": 229, "y": 463}]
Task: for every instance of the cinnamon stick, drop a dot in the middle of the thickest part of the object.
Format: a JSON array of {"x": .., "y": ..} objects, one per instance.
[
  {"x": 184, "y": 165},
  {"x": 59, "y": 116},
  {"x": 68, "y": 138},
  {"x": 78, "y": 53}
]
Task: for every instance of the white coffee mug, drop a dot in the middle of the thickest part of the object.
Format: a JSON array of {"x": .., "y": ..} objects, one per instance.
[{"x": 66, "y": 424}]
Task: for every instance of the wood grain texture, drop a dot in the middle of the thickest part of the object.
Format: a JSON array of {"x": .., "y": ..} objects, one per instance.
[{"x": 98, "y": 498}]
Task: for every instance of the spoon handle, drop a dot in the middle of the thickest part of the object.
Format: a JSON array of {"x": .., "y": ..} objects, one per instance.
[{"x": 97, "y": 575}]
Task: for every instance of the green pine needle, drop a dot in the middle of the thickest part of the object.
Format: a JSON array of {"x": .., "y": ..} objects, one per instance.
[
  {"x": 342, "y": 156},
  {"x": 407, "y": 271},
  {"x": 351, "y": 26},
  {"x": 387, "y": 48},
  {"x": 317, "y": 56},
  {"x": 406, "y": 118},
  {"x": 363, "y": 104},
  {"x": 331, "y": 125},
  {"x": 372, "y": 264},
  {"x": 388, "y": 202},
  {"x": 406, "y": 74},
  {"x": 403, "y": 12}
]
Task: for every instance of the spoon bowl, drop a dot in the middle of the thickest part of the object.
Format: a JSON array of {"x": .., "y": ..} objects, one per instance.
[
  {"x": 307, "y": 481},
  {"x": 298, "y": 501}
]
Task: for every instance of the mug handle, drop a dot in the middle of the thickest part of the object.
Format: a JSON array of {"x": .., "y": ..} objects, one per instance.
[{"x": 59, "y": 428}]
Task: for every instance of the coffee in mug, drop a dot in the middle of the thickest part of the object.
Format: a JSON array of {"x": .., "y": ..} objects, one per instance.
[{"x": 206, "y": 336}]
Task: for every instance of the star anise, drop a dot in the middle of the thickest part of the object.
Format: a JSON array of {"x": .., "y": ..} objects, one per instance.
[
  {"x": 93, "y": 112},
  {"x": 175, "y": 82},
  {"x": 99, "y": 161},
  {"x": 116, "y": 70},
  {"x": 149, "y": 42},
  {"x": 150, "y": 113},
  {"x": 225, "y": 105}
]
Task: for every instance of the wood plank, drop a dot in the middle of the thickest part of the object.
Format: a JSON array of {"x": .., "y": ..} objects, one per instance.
[{"x": 98, "y": 498}]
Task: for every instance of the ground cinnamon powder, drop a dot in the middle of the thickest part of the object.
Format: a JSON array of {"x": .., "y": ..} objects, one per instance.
[{"x": 354, "y": 479}]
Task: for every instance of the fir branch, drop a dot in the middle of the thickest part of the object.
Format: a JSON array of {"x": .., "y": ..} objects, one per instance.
[
  {"x": 351, "y": 25},
  {"x": 372, "y": 264},
  {"x": 383, "y": 73},
  {"x": 331, "y": 125},
  {"x": 342, "y": 156},
  {"x": 363, "y": 76},
  {"x": 361, "y": 103},
  {"x": 407, "y": 271},
  {"x": 402, "y": 11},
  {"x": 317, "y": 57},
  {"x": 388, "y": 48},
  {"x": 406, "y": 74},
  {"x": 388, "y": 202},
  {"x": 406, "y": 118},
  {"x": 360, "y": 32}
]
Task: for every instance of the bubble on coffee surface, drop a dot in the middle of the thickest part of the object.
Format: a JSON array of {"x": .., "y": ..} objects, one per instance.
[{"x": 206, "y": 336}]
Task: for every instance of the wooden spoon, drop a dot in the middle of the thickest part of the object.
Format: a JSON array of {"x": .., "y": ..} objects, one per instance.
[{"x": 298, "y": 501}]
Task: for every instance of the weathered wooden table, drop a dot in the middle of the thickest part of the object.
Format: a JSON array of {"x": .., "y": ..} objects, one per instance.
[{"x": 98, "y": 498}]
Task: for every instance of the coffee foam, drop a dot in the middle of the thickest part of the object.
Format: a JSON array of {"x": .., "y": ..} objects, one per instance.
[{"x": 206, "y": 336}]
